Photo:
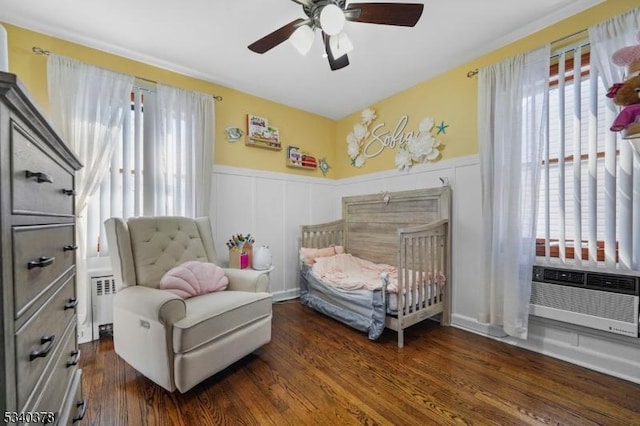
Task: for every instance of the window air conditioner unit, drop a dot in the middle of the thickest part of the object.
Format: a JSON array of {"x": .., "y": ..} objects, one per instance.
[
  {"x": 103, "y": 288},
  {"x": 597, "y": 300}
]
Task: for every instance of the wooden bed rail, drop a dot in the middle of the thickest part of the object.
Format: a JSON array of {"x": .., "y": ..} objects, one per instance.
[
  {"x": 422, "y": 228},
  {"x": 323, "y": 234},
  {"x": 423, "y": 275}
]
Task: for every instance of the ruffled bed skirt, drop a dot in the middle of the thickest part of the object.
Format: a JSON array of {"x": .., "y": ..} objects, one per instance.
[{"x": 363, "y": 310}]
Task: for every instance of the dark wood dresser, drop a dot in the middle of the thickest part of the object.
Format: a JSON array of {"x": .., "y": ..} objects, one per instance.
[{"x": 40, "y": 379}]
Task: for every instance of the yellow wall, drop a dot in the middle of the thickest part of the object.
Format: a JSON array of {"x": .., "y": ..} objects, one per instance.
[
  {"x": 309, "y": 132},
  {"x": 452, "y": 96}
]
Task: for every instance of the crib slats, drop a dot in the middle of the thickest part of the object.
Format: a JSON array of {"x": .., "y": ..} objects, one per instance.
[
  {"x": 323, "y": 235},
  {"x": 421, "y": 261}
]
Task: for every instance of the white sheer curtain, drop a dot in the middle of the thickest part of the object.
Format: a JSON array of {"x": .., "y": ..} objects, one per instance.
[
  {"x": 605, "y": 38},
  {"x": 87, "y": 105},
  {"x": 179, "y": 165},
  {"x": 512, "y": 108}
]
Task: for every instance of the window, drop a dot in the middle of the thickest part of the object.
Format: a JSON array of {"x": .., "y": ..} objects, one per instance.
[
  {"x": 162, "y": 164},
  {"x": 121, "y": 190},
  {"x": 585, "y": 173}
]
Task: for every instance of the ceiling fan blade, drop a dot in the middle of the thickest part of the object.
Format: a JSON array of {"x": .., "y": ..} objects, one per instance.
[
  {"x": 307, "y": 3},
  {"x": 273, "y": 39},
  {"x": 402, "y": 14},
  {"x": 335, "y": 64}
]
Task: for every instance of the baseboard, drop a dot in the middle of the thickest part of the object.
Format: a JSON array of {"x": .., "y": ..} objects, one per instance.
[
  {"x": 472, "y": 325},
  {"x": 565, "y": 347},
  {"x": 601, "y": 362},
  {"x": 281, "y": 296}
]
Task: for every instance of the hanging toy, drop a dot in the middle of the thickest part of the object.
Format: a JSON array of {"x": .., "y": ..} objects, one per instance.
[{"x": 627, "y": 93}]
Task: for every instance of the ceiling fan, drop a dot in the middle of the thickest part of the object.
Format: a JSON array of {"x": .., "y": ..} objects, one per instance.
[{"x": 329, "y": 17}]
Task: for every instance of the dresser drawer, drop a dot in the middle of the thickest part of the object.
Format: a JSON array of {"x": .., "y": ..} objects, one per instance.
[
  {"x": 40, "y": 185},
  {"x": 59, "y": 388},
  {"x": 41, "y": 255},
  {"x": 37, "y": 342},
  {"x": 75, "y": 405}
]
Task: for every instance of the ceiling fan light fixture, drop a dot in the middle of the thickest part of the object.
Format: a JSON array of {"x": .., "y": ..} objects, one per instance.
[
  {"x": 332, "y": 19},
  {"x": 302, "y": 39},
  {"x": 330, "y": 16},
  {"x": 340, "y": 45}
]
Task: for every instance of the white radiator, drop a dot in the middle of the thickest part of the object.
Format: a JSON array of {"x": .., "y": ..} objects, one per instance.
[
  {"x": 103, "y": 287},
  {"x": 607, "y": 302}
]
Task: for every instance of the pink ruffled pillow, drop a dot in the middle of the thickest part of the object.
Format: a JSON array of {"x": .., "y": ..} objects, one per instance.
[
  {"x": 308, "y": 255},
  {"x": 194, "y": 278}
]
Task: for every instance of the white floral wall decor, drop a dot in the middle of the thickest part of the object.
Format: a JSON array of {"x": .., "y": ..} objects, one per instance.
[
  {"x": 420, "y": 148},
  {"x": 413, "y": 147},
  {"x": 356, "y": 139}
]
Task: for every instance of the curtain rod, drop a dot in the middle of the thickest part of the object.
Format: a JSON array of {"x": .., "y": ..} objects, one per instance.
[
  {"x": 475, "y": 71},
  {"x": 40, "y": 51}
]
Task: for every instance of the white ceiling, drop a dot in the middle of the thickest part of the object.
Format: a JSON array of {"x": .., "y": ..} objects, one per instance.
[{"x": 208, "y": 39}]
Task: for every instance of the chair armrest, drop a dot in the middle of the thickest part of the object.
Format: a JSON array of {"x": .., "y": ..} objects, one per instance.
[
  {"x": 247, "y": 280},
  {"x": 151, "y": 303}
]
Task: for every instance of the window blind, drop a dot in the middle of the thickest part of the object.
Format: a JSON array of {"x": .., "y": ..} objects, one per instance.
[
  {"x": 589, "y": 201},
  {"x": 120, "y": 192}
]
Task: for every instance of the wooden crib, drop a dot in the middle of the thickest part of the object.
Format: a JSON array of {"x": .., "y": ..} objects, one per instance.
[{"x": 406, "y": 229}]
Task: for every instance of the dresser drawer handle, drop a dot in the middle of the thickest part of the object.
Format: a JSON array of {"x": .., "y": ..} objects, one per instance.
[
  {"x": 40, "y": 177},
  {"x": 68, "y": 192},
  {"x": 75, "y": 357},
  {"x": 49, "y": 340},
  {"x": 72, "y": 303},
  {"x": 82, "y": 404},
  {"x": 41, "y": 262},
  {"x": 70, "y": 247}
]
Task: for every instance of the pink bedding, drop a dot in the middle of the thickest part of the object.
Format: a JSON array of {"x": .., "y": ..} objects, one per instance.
[{"x": 352, "y": 273}]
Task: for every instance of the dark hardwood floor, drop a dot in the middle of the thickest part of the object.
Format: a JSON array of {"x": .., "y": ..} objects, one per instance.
[{"x": 318, "y": 371}]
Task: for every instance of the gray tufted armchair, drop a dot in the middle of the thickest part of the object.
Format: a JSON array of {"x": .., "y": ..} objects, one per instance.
[{"x": 178, "y": 342}]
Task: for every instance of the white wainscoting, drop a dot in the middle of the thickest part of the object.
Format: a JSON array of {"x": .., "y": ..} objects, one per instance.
[{"x": 273, "y": 206}]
